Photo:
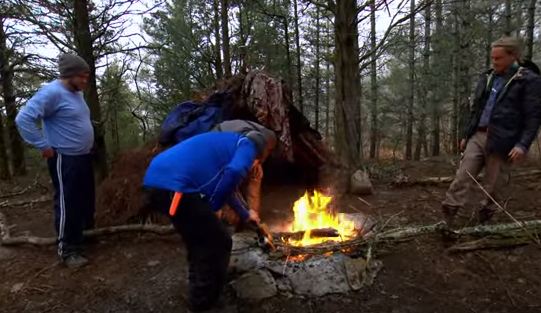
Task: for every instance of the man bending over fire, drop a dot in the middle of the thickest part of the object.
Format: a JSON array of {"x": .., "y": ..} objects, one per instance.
[{"x": 191, "y": 181}]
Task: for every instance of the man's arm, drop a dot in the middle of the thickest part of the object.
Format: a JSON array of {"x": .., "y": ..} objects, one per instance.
[
  {"x": 38, "y": 107},
  {"x": 531, "y": 108},
  {"x": 234, "y": 173},
  {"x": 237, "y": 203}
]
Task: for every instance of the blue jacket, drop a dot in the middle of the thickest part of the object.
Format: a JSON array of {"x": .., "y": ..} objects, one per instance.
[
  {"x": 66, "y": 120},
  {"x": 213, "y": 164}
]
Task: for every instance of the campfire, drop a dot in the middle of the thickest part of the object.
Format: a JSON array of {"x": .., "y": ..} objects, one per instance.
[{"x": 316, "y": 223}]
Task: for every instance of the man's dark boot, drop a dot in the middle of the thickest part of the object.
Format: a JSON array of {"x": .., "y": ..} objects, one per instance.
[
  {"x": 449, "y": 213},
  {"x": 485, "y": 214}
]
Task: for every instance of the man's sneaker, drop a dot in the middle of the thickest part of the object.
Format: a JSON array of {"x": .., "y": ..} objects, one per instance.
[{"x": 75, "y": 261}]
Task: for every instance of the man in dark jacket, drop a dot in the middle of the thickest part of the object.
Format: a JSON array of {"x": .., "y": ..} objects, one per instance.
[
  {"x": 505, "y": 118},
  {"x": 203, "y": 172}
]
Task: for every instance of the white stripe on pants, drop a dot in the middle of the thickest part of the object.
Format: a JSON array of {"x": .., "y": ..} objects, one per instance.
[{"x": 62, "y": 204}]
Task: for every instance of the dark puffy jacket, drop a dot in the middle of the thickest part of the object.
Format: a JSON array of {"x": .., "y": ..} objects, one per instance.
[{"x": 516, "y": 115}]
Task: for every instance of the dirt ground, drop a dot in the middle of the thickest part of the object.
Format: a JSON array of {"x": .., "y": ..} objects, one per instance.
[{"x": 147, "y": 273}]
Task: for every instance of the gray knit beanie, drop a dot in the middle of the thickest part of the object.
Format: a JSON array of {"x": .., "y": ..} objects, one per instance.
[{"x": 70, "y": 65}]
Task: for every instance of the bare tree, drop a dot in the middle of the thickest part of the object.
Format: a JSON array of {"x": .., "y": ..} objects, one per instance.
[
  {"x": 299, "y": 62},
  {"x": 4, "y": 164},
  {"x": 508, "y": 28},
  {"x": 226, "y": 39},
  {"x": 530, "y": 30},
  {"x": 373, "y": 84},
  {"x": 411, "y": 98},
  {"x": 11, "y": 61},
  {"x": 317, "y": 59},
  {"x": 438, "y": 52},
  {"x": 217, "y": 44}
]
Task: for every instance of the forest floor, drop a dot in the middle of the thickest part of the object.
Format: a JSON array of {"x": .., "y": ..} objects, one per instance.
[{"x": 147, "y": 273}]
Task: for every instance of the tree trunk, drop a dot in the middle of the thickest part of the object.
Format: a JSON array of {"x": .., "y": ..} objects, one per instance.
[
  {"x": 517, "y": 25},
  {"x": 225, "y": 38},
  {"x": 489, "y": 34},
  {"x": 347, "y": 103},
  {"x": 411, "y": 98},
  {"x": 328, "y": 81},
  {"x": 530, "y": 30},
  {"x": 8, "y": 92},
  {"x": 464, "y": 63},
  {"x": 288, "y": 51},
  {"x": 456, "y": 78},
  {"x": 426, "y": 85},
  {"x": 83, "y": 42},
  {"x": 218, "y": 48},
  {"x": 299, "y": 64},
  {"x": 318, "y": 30},
  {"x": 508, "y": 28},
  {"x": 438, "y": 52},
  {"x": 373, "y": 83},
  {"x": 115, "y": 137},
  {"x": 4, "y": 164}
]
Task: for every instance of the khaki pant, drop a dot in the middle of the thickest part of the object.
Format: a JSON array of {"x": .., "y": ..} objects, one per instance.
[{"x": 474, "y": 160}]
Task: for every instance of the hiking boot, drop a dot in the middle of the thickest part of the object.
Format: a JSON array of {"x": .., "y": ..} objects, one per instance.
[
  {"x": 485, "y": 214},
  {"x": 449, "y": 213},
  {"x": 75, "y": 261}
]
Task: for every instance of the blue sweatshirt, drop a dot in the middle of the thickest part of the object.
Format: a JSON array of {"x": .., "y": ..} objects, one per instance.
[
  {"x": 213, "y": 164},
  {"x": 66, "y": 120}
]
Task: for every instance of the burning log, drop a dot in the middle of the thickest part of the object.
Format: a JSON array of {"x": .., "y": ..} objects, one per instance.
[{"x": 314, "y": 233}]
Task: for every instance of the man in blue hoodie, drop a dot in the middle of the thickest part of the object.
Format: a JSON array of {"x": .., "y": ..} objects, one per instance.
[
  {"x": 65, "y": 141},
  {"x": 204, "y": 172}
]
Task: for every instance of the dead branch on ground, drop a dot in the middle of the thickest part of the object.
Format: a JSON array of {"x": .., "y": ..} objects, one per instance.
[
  {"x": 8, "y": 240},
  {"x": 406, "y": 181}
]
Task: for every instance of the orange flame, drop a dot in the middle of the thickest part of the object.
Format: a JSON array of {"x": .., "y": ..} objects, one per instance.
[{"x": 311, "y": 212}]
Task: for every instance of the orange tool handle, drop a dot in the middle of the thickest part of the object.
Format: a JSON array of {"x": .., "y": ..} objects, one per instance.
[{"x": 174, "y": 203}]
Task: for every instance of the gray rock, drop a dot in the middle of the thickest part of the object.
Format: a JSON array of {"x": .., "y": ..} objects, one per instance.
[
  {"x": 284, "y": 286},
  {"x": 363, "y": 223},
  {"x": 360, "y": 183},
  {"x": 247, "y": 261},
  {"x": 319, "y": 275},
  {"x": 17, "y": 287},
  {"x": 355, "y": 270},
  {"x": 256, "y": 285}
]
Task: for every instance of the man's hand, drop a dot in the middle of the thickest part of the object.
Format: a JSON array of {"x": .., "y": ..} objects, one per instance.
[
  {"x": 517, "y": 154},
  {"x": 254, "y": 217},
  {"x": 462, "y": 145},
  {"x": 48, "y": 153}
]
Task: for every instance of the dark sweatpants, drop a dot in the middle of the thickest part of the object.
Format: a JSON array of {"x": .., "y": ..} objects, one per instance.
[
  {"x": 74, "y": 199},
  {"x": 207, "y": 241}
]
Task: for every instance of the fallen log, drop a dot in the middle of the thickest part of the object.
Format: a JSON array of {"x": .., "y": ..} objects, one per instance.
[
  {"x": 490, "y": 243},
  {"x": 8, "y": 240},
  {"x": 406, "y": 181},
  {"x": 20, "y": 203}
]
